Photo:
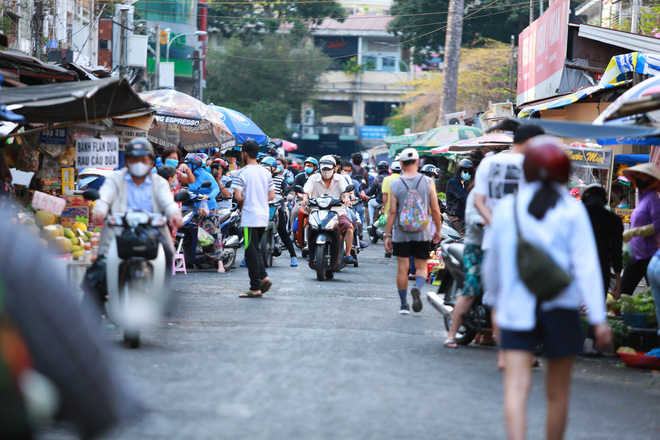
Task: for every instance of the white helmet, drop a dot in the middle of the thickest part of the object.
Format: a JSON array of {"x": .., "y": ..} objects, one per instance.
[{"x": 328, "y": 161}]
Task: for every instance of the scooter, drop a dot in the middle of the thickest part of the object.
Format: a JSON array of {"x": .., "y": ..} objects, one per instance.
[
  {"x": 375, "y": 233},
  {"x": 271, "y": 245},
  {"x": 326, "y": 243},
  {"x": 477, "y": 319},
  {"x": 137, "y": 292}
]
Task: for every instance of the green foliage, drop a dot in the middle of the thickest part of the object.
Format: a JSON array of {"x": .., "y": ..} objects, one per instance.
[
  {"x": 269, "y": 79},
  {"x": 251, "y": 20},
  {"x": 427, "y": 29},
  {"x": 648, "y": 20},
  {"x": 351, "y": 67},
  {"x": 399, "y": 121}
]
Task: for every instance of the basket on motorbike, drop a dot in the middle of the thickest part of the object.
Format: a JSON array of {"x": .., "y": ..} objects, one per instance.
[{"x": 138, "y": 243}]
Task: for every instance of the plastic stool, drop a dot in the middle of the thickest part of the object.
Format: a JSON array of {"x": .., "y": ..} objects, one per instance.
[{"x": 179, "y": 257}]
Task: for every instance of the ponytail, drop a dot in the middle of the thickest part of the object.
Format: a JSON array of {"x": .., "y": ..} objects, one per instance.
[{"x": 544, "y": 199}]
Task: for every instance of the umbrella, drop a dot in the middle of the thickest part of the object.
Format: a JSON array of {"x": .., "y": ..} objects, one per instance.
[
  {"x": 640, "y": 99},
  {"x": 242, "y": 127},
  {"x": 445, "y": 136},
  {"x": 488, "y": 140},
  {"x": 183, "y": 120},
  {"x": 286, "y": 145}
]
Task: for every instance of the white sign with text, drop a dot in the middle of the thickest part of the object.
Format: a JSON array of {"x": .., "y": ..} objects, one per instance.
[
  {"x": 48, "y": 203},
  {"x": 94, "y": 152}
]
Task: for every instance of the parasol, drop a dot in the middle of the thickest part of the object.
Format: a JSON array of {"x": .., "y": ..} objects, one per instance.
[
  {"x": 488, "y": 140},
  {"x": 644, "y": 98},
  {"x": 183, "y": 120},
  {"x": 286, "y": 145},
  {"x": 242, "y": 127},
  {"x": 445, "y": 136}
]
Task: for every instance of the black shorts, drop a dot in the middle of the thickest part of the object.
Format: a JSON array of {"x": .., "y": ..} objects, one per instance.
[
  {"x": 418, "y": 249},
  {"x": 560, "y": 331}
]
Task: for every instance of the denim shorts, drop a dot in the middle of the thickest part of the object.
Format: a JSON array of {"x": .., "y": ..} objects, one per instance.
[{"x": 559, "y": 330}]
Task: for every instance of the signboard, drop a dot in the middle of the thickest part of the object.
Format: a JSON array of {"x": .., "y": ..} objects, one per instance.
[
  {"x": 191, "y": 134},
  {"x": 97, "y": 153},
  {"x": 55, "y": 136},
  {"x": 599, "y": 158},
  {"x": 541, "y": 54},
  {"x": 68, "y": 180},
  {"x": 373, "y": 132},
  {"x": 48, "y": 203},
  {"x": 127, "y": 134}
]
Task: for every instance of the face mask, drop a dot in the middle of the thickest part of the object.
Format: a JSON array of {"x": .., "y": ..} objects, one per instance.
[
  {"x": 465, "y": 175},
  {"x": 327, "y": 174},
  {"x": 279, "y": 168},
  {"x": 642, "y": 185},
  {"x": 138, "y": 169},
  {"x": 173, "y": 162},
  {"x": 208, "y": 169},
  {"x": 309, "y": 170}
]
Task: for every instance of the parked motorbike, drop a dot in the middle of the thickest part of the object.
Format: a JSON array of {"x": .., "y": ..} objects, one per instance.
[
  {"x": 477, "y": 319},
  {"x": 137, "y": 292},
  {"x": 326, "y": 242}
]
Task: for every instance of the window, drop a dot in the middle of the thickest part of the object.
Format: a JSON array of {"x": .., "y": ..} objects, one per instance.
[
  {"x": 104, "y": 44},
  {"x": 370, "y": 62},
  {"x": 389, "y": 64}
]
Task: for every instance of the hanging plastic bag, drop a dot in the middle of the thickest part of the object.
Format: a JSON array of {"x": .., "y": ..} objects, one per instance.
[
  {"x": 380, "y": 223},
  {"x": 204, "y": 238},
  {"x": 203, "y": 209}
]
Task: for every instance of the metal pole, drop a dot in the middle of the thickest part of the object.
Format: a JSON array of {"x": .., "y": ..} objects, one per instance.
[
  {"x": 122, "y": 42},
  {"x": 531, "y": 12},
  {"x": 634, "y": 21},
  {"x": 38, "y": 33},
  {"x": 540, "y": 8},
  {"x": 157, "y": 59}
]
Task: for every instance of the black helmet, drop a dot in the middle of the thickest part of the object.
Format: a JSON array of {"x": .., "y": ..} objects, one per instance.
[
  {"x": 140, "y": 147},
  {"x": 195, "y": 161},
  {"x": 166, "y": 171},
  {"x": 430, "y": 170},
  {"x": 383, "y": 166},
  {"x": 465, "y": 164}
]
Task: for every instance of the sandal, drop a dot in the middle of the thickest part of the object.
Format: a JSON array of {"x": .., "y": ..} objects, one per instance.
[
  {"x": 265, "y": 285},
  {"x": 250, "y": 294},
  {"x": 450, "y": 343}
]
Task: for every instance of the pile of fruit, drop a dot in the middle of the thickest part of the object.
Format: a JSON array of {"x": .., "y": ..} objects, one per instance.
[{"x": 60, "y": 240}]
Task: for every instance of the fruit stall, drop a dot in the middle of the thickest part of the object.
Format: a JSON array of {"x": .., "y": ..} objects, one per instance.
[{"x": 590, "y": 165}]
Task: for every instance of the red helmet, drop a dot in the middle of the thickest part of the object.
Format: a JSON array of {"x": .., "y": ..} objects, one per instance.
[
  {"x": 219, "y": 163},
  {"x": 546, "y": 160}
]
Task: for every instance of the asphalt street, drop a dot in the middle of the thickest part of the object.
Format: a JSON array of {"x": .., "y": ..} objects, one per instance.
[{"x": 335, "y": 360}]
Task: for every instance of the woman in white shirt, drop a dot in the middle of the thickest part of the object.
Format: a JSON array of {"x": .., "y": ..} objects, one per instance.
[{"x": 549, "y": 220}]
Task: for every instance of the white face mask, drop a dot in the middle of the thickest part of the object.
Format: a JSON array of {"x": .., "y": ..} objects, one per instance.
[
  {"x": 138, "y": 169},
  {"x": 327, "y": 174}
]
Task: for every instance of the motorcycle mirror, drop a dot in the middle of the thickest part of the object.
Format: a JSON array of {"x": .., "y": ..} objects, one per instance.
[
  {"x": 349, "y": 188},
  {"x": 206, "y": 184},
  {"x": 91, "y": 194},
  {"x": 228, "y": 185},
  {"x": 182, "y": 196}
]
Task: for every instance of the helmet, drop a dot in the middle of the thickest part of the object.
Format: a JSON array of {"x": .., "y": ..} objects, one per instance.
[
  {"x": 328, "y": 160},
  {"x": 338, "y": 159},
  {"x": 594, "y": 195},
  {"x": 430, "y": 170},
  {"x": 219, "y": 163},
  {"x": 195, "y": 161},
  {"x": 396, "y": 166},
  {"x": 312, "y": 161},
  {"x": 140, "y": 147},
  {"x": 166, "y": 171},
  {"x": 269, "y": 161},
  {"x": 383, "y": 166},
  {"x": 465, "y": 164},
  {"x": 272, "y": 151},
  {"x": 546, "y": 161}
]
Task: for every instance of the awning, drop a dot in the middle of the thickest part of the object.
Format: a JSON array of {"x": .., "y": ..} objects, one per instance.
[
  {"x": 73, "y": 101},
  {"x": 631, "y": 159},
  {"x": 31, "y": 70},
  {"x": 397, "y": 144}
]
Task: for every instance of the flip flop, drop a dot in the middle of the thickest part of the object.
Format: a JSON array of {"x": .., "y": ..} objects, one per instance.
[
  {"x": 450, "y": 343},
  {"x": 265, "y": 286},
  {"x": 249, "y": 294}
]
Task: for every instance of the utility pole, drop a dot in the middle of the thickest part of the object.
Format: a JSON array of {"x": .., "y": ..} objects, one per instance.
[
  {"x": 634, "y": 20},
  {"x": 540, "y": 8},
  {"x": 512, "y": 66},
  {"x": 38, "y": 30},
  {"x": 157, "y": 60},
  {"x": 531, "y": 12},
  {"x": 122, "y": 41},
  {"x": 451, "y": 59}
]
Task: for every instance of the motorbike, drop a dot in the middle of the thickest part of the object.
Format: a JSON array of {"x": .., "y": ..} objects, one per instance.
[
  {"x": 137, "y": 291},
  {"x": 271, "y": 246},
  {"x": 326, "y": 243},
  {"x": 477, "y": 319},
  {"x": 375, "y": 233}
]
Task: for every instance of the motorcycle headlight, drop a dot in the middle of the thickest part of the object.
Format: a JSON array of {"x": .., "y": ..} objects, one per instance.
[
  {"x": 314, "y": 221},
  {"x": 135, "y": 218},
  {"x": 332, "y": 222},
  {"x": 324, "y": 202}
]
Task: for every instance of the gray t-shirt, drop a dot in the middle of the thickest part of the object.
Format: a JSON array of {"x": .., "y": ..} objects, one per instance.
[{"x": 399, "y": 190}]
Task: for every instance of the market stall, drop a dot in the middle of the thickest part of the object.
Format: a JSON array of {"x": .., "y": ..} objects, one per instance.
[{"x": 590, "y": 165}]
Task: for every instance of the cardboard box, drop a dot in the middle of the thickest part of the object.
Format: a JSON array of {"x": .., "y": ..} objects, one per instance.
[
  {"x": 77, "y": 200},
  {"x": 68, "y": 222},
  {"x": 76, "y": 211}
]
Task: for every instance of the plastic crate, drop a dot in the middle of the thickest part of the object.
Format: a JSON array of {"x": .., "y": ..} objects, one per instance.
[
  {"x": 637, "y": 320},
  {"x": 643, "y": 339}
]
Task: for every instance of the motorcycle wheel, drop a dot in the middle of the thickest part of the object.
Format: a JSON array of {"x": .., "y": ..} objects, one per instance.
[
  {"x": 320, "y": 262},
  {"x": 132, "y": 339},
  {"x": 373, "y": 236},
  {"x": 229, "y": 263},
  {"x": 267, "y": 248}
]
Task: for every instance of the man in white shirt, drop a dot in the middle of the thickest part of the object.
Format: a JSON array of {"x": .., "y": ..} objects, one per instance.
[
  {"x": 327, "y": 182},
  {"x": 253, "y": 189}
]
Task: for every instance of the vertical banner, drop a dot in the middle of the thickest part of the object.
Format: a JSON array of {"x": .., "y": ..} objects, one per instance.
[{"x": 68, "y": 181}]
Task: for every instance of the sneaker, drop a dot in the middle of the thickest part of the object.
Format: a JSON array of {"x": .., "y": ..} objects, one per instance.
[
  {"x": 243, "y": 263},
  {"x": 364, "y": 245},
  {"x": 417, "y": 302},
  {"x": 351, "y": 260},
  {"x": 294, "y": 262},
  {"x": 405, "y": 310}
]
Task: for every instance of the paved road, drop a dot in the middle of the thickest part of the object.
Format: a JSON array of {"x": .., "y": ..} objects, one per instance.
[{"x": 335, "y": 360}]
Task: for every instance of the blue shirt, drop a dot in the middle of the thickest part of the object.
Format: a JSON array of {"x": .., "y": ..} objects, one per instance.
[
  {"x": 201, "y": 176},
  {"x": 139, "y": 196}
]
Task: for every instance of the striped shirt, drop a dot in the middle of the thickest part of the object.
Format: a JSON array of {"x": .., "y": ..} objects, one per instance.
[{"x": 278, "y": 181}]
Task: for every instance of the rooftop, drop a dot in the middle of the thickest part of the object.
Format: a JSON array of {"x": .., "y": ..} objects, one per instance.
[{"x": 356, "y": 23}]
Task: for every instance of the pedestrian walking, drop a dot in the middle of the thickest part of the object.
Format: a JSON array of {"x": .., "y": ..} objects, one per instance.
[
  {"x": 544, "y": 215},
  {"x": 457, "y": 196},
  {"x": 253, "y": 189},
  {"x": 644, "y": 232},
  {"x": 412, "y": 205},
  {"x": 395, "y": 168},
  {"x": 281, "y": 190}
]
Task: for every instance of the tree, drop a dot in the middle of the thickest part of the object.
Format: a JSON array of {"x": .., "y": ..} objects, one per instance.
[
  {"x": 420, "y": 23},
  {"x": 483, "y": 80},
  {"x": 451, "y": 58},
  {"x": 252, "y": 19},
  {"x": 267, "y": 80}
]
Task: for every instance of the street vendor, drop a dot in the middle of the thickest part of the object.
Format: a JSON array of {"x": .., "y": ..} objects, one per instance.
[
  {"x": 457, "y": 196},
  {"x": 644, "y": 232}
]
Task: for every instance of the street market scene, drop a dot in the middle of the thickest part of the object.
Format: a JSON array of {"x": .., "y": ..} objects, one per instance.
[{"x": 329, "y": 219}]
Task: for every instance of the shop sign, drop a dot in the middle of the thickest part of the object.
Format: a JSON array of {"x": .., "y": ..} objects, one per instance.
[
  {"x": 55, "y": 136},
  {"x": 594, "y": 157},
  {"x": 97, "y": 152},
  {"x": 541, "y": 53},
  {"x": 48, "y": 203},
  {"x": 127, "y": 134}
]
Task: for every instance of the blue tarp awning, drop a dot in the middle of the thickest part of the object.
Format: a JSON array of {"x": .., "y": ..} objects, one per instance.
[{"x": 631, "y": 159}]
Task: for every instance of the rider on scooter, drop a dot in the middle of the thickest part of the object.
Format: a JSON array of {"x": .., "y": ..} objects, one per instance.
[
  {"x": 311, "y": 166},
  {"x": 376, "y": 189},
  {"x": 220, "y": 171},
  {"x": 328, "y": 182}
]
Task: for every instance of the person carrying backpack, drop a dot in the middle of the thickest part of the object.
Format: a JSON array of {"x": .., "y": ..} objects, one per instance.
[{"x": 408, "y": 227}]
